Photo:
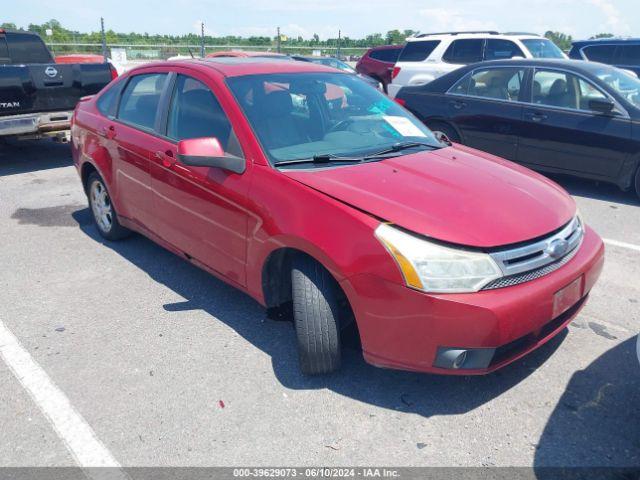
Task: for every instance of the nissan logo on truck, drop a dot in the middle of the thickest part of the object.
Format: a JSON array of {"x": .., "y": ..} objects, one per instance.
[{"x": 51, "y": 72}]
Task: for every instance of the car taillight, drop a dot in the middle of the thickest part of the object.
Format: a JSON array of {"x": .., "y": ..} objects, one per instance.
[
  {"x": 395, "y": 72},
  {"x": 114, "y": 72},
  {"x": 400, "y": 101}
]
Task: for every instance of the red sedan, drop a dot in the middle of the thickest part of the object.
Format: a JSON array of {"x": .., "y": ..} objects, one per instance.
[{"x": 448, "y": 260}]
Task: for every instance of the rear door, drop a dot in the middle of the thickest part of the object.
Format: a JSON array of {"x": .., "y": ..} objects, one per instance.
[
  {"x": 134, "y": 130},
  {"x": 199, "y": 210},
  {"x": 561, "y": 133},
  {"x": 485, "y": 107}
]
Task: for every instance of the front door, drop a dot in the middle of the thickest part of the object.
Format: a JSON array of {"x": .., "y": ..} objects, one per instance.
[
  {"x": 200, "y": 210},
  {"x": 562, "y": 134}
]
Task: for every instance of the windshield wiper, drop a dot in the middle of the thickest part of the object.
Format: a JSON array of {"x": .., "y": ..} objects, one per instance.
[
  {"x": 320, "y": 158},
  {"x": 330, "y": 158},
  {"x": 398, "y": 147}
]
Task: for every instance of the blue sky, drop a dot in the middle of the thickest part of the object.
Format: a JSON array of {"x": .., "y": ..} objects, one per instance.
[{"x": 356, "y": 18}]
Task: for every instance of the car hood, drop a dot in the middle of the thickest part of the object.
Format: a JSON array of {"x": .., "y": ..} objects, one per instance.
[{"x": 453, "y": 194}]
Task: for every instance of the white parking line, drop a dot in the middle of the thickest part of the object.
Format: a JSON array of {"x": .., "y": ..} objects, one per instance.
[
  {"x": 73, "y": 430},
  {"x": 616, "y": 243}
]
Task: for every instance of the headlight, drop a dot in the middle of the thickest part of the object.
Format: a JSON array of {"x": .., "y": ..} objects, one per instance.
[{"x": 430, "y": 267}]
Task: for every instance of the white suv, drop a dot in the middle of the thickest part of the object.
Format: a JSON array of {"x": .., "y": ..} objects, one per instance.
[{"x": 430, "y": 55}]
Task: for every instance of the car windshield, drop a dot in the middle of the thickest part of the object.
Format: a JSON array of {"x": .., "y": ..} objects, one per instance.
[
  {"x": 542, "y": 48},
  {"x": 303, "y": 115},
  {"x": 626, "y": 84}
]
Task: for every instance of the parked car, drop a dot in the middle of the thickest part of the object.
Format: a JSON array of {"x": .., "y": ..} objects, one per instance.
[
  {"x": 378, "y": 63},
  {"x": 431, "y": 55},
  {"x": 349, "y": 210},
  {"x": 116, "y": 69},
  {"x": 37, "y": 95},
  {"x": 555, "y": 116},
  {"x": 620, "y": 52},
  {"x": 340, "y": 65}
]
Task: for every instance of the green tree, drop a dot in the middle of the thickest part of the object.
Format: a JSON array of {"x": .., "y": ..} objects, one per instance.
[
  {"x": 562, "y": 40},
  {"x": 603, "y": 35}
]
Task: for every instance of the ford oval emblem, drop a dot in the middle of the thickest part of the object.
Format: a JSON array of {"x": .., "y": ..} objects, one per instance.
[
  {"x": 51, "y": 72},
  {"x": 557, "y": 248}
]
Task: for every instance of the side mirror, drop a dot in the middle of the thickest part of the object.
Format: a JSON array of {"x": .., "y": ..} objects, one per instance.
[
  {"x": 601, "y": 105},
  {"x": 207, "y": 152},
  {"x": 442, "y": 137}
]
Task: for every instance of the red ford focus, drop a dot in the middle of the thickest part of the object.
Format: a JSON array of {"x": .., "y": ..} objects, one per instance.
[{"x": 302, "y": 185}]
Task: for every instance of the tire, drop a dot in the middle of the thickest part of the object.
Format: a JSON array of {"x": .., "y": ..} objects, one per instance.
[
  {"x": 448, "y": 130},
  {"x": 102, "y": 210},
  {"x": 316, "y": 312}
]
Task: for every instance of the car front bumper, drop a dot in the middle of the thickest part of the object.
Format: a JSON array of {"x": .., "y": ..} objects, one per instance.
[{"x": 410, "y": 330}]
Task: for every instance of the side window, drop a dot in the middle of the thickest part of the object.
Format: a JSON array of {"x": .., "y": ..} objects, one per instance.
[
  {"x": 561, "y": 89},
  {"x": 417, "y": 51},
  {"x": 629, "y": 55},
  {"x": 139, "y": 103},
  {"x": 588, "y": 92},
  {"x": 389, "y": 55},
  {"x": 600, "y": 53},
  {"x": 108, "y": 102},
  {"x": 495, "y": 83},
  {"x": 195, "y": 113},
  {"x": 497, "y": 49},
  {"x": 464, "y": 51}
]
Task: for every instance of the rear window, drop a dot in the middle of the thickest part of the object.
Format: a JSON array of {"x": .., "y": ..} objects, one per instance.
[
  {"x": 464, "y": 51},
  {"x": 389, "y": 55},
  {"x": 600, "y": 53},
  {"x": 417, "y": 51},
  {"x": 629, "y": 55},
  {"x": 27, "y": 48}
]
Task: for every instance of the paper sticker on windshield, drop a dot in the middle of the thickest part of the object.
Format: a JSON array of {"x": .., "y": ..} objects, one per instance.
[{"x": 404, "y": 126}]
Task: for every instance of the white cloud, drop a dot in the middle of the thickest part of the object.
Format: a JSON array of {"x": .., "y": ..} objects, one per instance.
[
  {"x": 451, "y": 19},
  {"x": 613, "y": 22}
]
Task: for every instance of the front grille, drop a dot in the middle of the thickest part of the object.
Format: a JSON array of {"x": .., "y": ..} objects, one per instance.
[
  {"x": 536, "y": 259},
  {"x": 530, "y": 275}
]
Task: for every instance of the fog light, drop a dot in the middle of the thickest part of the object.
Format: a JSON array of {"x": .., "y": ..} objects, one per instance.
[{"x": 463, "y": 358}]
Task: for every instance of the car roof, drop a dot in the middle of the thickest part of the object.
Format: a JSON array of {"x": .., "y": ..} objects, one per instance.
[
  {"x": 569, "y": 64},
  {"x": 464, "y": 35},
  {"x": 595, "y": 41},
  {"x": 385, "y": 47},
  {"x": 238, "y": 66}
]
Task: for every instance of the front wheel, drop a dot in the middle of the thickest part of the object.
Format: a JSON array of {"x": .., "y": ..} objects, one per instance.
[
  {"x": 104, "y": 213},
  {"x": 316, "y": 310},
  {"x": 448, "y": 130}
]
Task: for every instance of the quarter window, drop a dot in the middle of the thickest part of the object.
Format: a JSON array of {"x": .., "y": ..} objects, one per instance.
[
  {"x": 196, "y": 113},
  {"x": 630, "y": 55},
  {"x": 108, "y": 102},
  {"x": 497, "y": 49},
  {"x": 464, "y": 51},
  {"x": 562, "y": 89},
  {"x": 600, "y": 53},
  {"x": 140, "y": 99}
]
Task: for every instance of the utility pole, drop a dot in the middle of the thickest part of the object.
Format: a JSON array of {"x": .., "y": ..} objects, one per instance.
[
  {"x": 201, "y": 39},
  {"x": 338, "y": 49},
  {"x": 278, "y": 41},
  {"x": 104, "y": 40}
]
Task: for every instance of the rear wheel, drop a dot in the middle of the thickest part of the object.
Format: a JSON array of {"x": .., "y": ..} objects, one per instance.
[
  {"x": 104, "y": 213},
  {"x": 316, "y": 310},
  {"x": 448, "y": 130}
]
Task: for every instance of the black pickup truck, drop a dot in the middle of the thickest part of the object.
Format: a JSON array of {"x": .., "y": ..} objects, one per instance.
[{"x": 37, "y": 95}]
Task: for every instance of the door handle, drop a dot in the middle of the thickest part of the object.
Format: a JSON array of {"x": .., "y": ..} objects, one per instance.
[
  {"x": 458, "y": 105},
  {"x": 536, "y": 116},
  {"x": 108, "y": 132},
  {"x": 166, "y": 158}
]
